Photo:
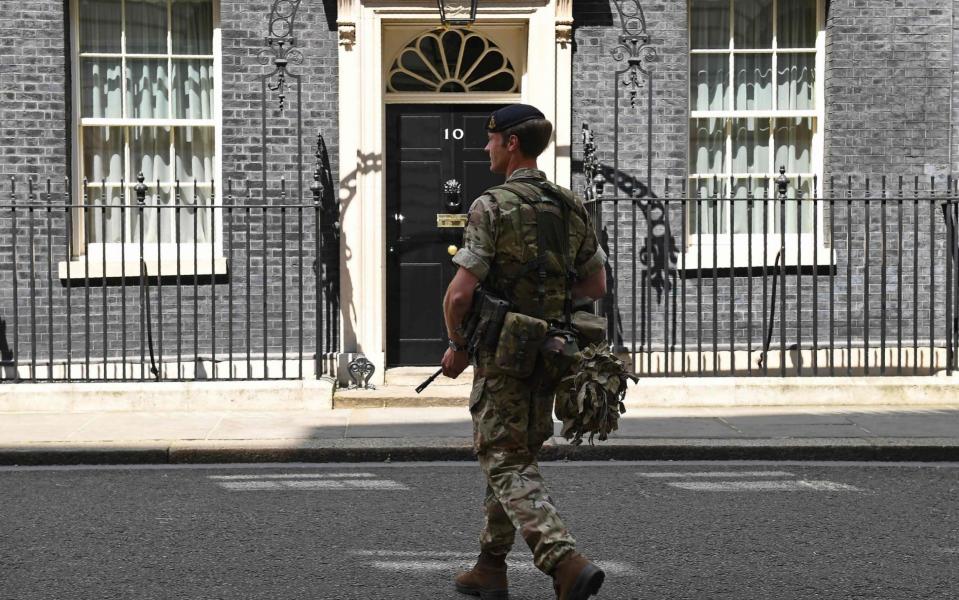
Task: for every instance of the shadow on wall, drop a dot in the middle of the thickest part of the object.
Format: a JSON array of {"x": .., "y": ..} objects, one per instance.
[
  {"x": 659, "y": 250},
  {"x": 365, "y": 164}
]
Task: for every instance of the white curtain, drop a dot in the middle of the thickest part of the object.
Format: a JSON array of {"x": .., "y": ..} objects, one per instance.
[
  {"x": 709, "y": 24},
  {"x": 100, "y": 88},
  {"x": 753, "y": 24},
  {"x": 750, "y": 155},
  {"x": 100, "y": 25},
  {"x": 194, "y": 170},
  {"x": 192, "y": 89},
  {"x": 709, "y": 82},
  {"x": 797, "y": 24},
  {"x": 192, "y": 26},
  {"x": 146, "y": 26},
  {"x": 754, "y": 90},
  {"x": 796, "y": 79},
  {"x": 103, "y": 170}
]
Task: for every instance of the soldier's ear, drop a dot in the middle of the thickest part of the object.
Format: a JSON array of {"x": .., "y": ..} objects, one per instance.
[{"x": 512, "y": 144}]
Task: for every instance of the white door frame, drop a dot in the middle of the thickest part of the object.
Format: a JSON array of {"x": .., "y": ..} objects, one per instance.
[{"x": 546, "y": 84}]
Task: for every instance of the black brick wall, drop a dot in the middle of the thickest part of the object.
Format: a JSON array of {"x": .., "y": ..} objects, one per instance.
[
  {"x": 891, "y": 108},
  {"x": 887, "y": 97},
  {"x": 35, "y": 136},
  {"x": 888, "y": 93}
]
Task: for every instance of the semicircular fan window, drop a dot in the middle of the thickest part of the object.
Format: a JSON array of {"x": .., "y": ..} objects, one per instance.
[{"x": 452, "y": 61}]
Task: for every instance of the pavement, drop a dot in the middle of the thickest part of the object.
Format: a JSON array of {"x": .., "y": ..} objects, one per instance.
[{"x": 860, "y": 432}]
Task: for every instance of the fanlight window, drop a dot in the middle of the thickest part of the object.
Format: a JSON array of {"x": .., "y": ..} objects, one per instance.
[{"x": 452, "y": 61}]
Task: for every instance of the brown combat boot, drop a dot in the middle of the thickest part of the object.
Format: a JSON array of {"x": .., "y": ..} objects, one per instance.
[
  {"x": 575, "y": 578},
  {"x": 486, "y": 580}
]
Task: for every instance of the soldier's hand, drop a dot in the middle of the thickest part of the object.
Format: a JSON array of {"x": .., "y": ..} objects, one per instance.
[{"x": 455, "y": 363}]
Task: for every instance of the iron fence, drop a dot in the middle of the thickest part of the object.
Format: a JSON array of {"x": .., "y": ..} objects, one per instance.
[
  {"x": 178, "y": 287},
  {"x": 782, "y": 278}
]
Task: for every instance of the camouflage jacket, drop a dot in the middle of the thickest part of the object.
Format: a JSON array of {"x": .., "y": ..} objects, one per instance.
[{"x": 500, "y": 239}]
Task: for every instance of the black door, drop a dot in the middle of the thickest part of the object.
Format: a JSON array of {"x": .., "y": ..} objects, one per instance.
[{"x": 427, "y": 146}]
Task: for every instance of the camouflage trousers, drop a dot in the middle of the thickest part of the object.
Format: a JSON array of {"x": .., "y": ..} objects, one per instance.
[{"x": 511, "y": 421}]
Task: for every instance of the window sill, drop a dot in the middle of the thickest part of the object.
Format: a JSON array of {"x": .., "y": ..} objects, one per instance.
[
  {"x": 737, "y": 256},
  {"x": 130, "y": 269}
]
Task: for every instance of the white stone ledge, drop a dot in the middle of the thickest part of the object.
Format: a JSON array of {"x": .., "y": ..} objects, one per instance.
[
  {"x": 653, "y": 392},
  {"x": 311, "y": 394},
  {"x": 131, "y": 268}
]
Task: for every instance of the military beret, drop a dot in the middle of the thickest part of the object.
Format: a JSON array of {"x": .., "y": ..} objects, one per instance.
[{"x": 512, "y": 115}]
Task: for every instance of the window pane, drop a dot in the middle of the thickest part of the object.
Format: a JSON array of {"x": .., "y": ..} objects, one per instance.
[
  {"x": 190, "y": 217},
  {"x": 707, "y": 214},
  {"x": 797, "y": 23},
  {"x": 103, "y": 223},
  {"x": 793, "y": 139},
  {"x": 100, "y": 88},
  {"x": 796, "y": 78},
  {"x": 742, "y": 190},
  {"x": 149, "y": 216},
  {"x": 146, "y": 26},
  {"x": 707, "y": 145},
  {"x": 452, "y": 44},
  {"x": 796, "y": 210},
  {"x": 99, "y": 25},
  {"x": 751, "y": 146},
  {"x": 754, "y": 90},
  {"x": 193, "y": 89},
  {"x": 708, "y": 82},
  {"x": 147, "y": 89},
  {"x": 194, "y": 153},
  {"x": 103, "y": 153},
  {"x": 709, "y": 24},
  {"x": 150, "y": 153},
  {"x": 192, "y": 26},
  {"x": 753, "y": 27}
]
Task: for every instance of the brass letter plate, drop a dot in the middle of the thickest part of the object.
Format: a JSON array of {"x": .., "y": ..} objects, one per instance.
[{"x": 448, "y": 221}]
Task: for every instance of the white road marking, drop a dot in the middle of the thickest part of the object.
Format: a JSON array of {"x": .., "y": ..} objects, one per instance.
[
  {"x": 717, "y": 474},
  {"x": 444, "y": 560},
  {"x": 311, "y": 484},
  {"x": 764, "y": 486},
  {"x": 240, "y": 486},
  {"x": 295, "y": 476}
]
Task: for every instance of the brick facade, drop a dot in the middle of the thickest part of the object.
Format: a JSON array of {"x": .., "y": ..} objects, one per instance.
[
  {"x": 35, "y": 136},
  {"x": 887, "y": 113},
  {"x": 891, "y": 102}
]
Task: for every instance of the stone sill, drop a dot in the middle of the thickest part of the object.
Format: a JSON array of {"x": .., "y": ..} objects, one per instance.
[{"x": 130, "y": 270}]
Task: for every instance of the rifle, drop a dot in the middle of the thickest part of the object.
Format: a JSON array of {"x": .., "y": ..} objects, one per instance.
[
  {"x": 481, "y": 326},
  {"x": 429, "y": 380}
]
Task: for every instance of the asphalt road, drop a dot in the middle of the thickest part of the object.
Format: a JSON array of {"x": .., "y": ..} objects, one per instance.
[{"x": 661, "y": 530}]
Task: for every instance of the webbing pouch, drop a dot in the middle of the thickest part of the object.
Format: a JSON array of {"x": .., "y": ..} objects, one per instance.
[
  {"x": 519, "y": 344},
  {"x": 589, "y": 328}
]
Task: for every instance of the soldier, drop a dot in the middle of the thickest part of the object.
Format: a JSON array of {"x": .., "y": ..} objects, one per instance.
[{"x": 504, "y": 246}]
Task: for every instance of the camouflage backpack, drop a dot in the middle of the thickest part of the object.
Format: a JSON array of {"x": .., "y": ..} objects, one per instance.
[
  {"x": 588, "y": 379},
  {"x": 589, "y": 400}
]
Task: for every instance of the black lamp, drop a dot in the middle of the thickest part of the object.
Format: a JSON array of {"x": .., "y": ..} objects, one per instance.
[{"x": 457, "y": 12}]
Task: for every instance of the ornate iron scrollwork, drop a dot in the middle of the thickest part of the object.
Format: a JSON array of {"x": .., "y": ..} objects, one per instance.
[
  {"x": 280, "y": 44},
  {"x": 633, "y": 47},
  {"x": 593, "y": 186},
  {"x": 361, "y": 367}
]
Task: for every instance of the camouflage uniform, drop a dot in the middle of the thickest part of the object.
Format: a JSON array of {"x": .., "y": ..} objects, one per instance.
[{"x": 512, "y": 418}]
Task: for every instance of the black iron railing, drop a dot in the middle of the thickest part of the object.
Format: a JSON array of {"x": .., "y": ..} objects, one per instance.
[
  {"x": 181, "y": 285},
  {"x": 789, "y": 278}
]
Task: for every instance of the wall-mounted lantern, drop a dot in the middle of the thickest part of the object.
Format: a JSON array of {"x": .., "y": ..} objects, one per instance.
[{"x": 457, "y": 12}]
